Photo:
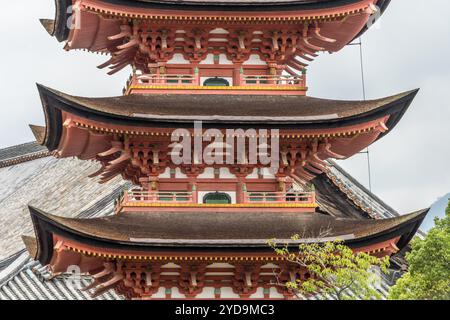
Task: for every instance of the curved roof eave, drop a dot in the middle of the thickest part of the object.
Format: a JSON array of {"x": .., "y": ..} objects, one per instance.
[
  {"x": 382, "y": 5},
  {"x": 58, "y": 27},
  {"x": 47, "y": 225},
  {"x": 297, "y": 112},
  {"x": 112, "y": 111}
]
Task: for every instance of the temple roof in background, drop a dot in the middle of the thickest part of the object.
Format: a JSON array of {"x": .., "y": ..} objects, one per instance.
[
  {"x": 21, "y": 153},
  {"x": 21, "y": 278}
]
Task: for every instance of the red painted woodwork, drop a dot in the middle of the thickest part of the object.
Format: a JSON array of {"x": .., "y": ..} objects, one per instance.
[{"x": 149, "y": 38}]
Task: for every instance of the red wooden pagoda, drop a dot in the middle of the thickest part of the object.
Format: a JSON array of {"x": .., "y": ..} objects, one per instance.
[{"x": 198, "y": 228}]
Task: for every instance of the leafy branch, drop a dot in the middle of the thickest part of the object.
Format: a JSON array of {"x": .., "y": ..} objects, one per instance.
[{"x": 330, "y": 269}]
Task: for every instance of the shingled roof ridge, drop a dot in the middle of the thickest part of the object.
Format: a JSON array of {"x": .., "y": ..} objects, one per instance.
[
  {"x": 22, "y": 153},
  {"x": 363, "y": 188},
  {"x": 18, "y": 145},
  {"x": 14, "y": 264}
]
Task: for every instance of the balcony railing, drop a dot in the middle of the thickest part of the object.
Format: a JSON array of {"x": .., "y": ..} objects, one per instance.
[
  {"x": 170, "y": 79},
  {"x": 156, "y": 197},
  {"x": 267, "y": 80},
  {"x": 137, "y": 198},
  {"x": 280, "y": 197},
  {"x": 250, "y": 82}
]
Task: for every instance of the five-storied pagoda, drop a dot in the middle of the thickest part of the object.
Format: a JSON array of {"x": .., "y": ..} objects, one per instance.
[{"x": 209, "y": 75}]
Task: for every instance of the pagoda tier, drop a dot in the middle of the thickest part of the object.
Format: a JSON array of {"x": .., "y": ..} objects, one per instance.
[
  {"x": 184, "y": 37},
  {"x": 137, "y": 253},
  {"x": 131, "y": 135}
]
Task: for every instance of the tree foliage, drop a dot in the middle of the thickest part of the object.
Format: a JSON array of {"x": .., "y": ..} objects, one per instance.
[
  {"x": 336, "y": 271},
  {"x": 428, "y": 276}
]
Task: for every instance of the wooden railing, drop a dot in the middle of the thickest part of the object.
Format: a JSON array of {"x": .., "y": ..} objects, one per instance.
[
  {"x": 194, "y": 80},
  {"x": 162, "y": 196},
  {"x": 277, "y": 197},
  {"x": 166, "y": 197},
  {"x": 268, "y": 80},
  {"x": 144, "y": 198},
  {"x": 169, "y": 79}
]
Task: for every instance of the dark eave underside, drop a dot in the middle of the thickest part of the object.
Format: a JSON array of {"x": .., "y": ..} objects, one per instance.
[
  {"x": 333, "y": 201},
  {"x": 243, "y": 231},
  {"x": 235, "y": 5},
  {"x": 62, "y": 15}
]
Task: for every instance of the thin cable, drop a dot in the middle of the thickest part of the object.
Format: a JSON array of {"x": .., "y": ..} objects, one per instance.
[
  {"x": 363, "y": 85},
  {"x": 361, "y": 61}
]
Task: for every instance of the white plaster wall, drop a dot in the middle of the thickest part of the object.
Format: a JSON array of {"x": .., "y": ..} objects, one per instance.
[
  {"x": 209, "y": 59},
  {"x": 259, "y": 294},
  {"x": 274, "y": 294},
  {"x": 270, "y": 266},
  {"x": 253, "y": 175},
  {"x": 170, "y": 265},
  {"x": 220, "y": 265},
  {"x": 161, "y": 294},
  {"x": 207, "y": 293},
  {"x": 173, "y": 273},
  {"x": 219, "y": 31},
  {"x": 176, "y": 294},
  {"x": 207, "y": 174},
  {"x": 224, "y": 60},
  {"x": 178, "y": 59},
  {"x": 255, "y": 59},
  {"x": 226, "y": 174},
  {"x": 179, "y": 174},
  {"x": 227, "y": 293},
  {"x": 165, "y": 175},
  {"x": 267, "y": 174}
]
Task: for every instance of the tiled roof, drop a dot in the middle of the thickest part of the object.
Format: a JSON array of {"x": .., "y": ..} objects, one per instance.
[
  {"x": 60, "y": 186},
  {"x": 299, "y": 111},
  {"x": 376, "y": 207},
  {"x": 20, "y": 150},
  {"x": 21, "y": 153},
  {"x": 25, "y": 279}
]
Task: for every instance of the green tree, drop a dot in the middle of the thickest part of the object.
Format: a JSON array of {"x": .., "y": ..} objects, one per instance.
[
  {"x": 336, "y": 271},
  {"x": 428, "y": 276}
]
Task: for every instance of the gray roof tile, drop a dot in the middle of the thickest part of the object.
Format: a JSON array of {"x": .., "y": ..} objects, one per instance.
[{"x": 20, "y": 150}]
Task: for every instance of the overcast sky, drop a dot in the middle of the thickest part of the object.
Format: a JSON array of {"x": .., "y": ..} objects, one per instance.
[{"x": 410, "y": 49}]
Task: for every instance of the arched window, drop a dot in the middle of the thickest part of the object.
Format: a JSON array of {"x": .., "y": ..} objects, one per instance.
[
  {"x": 217, "y": 198},
  {"x": 216, "y": 82}
]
